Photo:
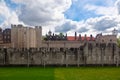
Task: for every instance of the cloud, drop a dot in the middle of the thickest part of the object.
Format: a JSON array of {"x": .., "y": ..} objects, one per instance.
[
  {"x": 110, "y": 18},
  {"x": 43, "y": 13},
  {"x": 67, "y": 26},
  {"x": 102, "y": 24},
  {"x": 102, "y": 10},
  {"x": 9, "y": 16},
  {"x": 82, "y": 30},
  {"x": 117, "y": 4},
  {"x": 99, "y": 24},
  {"x": 105, "y": 22},
  {"x": 51, "y": 15}
]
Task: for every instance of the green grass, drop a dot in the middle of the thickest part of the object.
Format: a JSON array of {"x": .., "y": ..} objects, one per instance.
[
  {"x": 26, "y": 73},
  {"x": 38, "y": 73}
]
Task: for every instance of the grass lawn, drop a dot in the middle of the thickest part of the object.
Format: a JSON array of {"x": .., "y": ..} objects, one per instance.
[{"x": 81, "y": 73}]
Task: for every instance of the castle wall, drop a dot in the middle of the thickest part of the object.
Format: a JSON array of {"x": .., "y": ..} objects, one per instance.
[
  {"x": 62, "y": 44},
  {"x": 87, "y": 54},
  {"x": 29, "y": 49}
]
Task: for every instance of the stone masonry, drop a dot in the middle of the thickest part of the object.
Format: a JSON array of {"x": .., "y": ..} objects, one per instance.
[{"x": 28, "y": 48}]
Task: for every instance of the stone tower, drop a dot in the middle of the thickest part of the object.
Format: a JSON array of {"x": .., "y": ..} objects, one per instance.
[
  {"x": 38, "y": 30},
  {"x": 14, "y": 36},
  {"x": 26, "y": 37}
]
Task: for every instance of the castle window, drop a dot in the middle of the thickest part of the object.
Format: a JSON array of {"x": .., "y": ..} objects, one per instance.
[
  {"x": 110, "y": 40},
  {"x": 8, "y": 36},
  {"x": 24, "y": 32},
  {"x": 4, "y": 37},
  {"x": 102, "y": 40}
]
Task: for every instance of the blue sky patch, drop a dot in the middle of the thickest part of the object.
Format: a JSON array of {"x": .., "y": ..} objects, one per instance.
[
  {"x": 11, "y": 4},
  {"x": 2, "y": 18},
  {"x": 77, "y": 12}
]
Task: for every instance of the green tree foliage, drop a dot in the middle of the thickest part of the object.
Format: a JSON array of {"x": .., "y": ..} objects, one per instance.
[
  {"x": 61, "y": 34},
  {"x": 118, "y": 42}
]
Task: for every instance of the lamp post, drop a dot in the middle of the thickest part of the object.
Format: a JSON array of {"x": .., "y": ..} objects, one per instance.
[
  {"x": 28, "y": 54},
  {"x": 78, "y": 60},
  {"x": 28, "y": 58},
  {"x": 4, "y": 55}
]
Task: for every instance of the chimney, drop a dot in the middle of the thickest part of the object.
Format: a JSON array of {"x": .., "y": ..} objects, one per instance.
[
  {"x": 66, "y": 37},
  {"x": 75, "y": 36},
  {"x": 91, "y": 37},
  {"x": 85, "y": 38},
  {"x": 80, "y": 38}
]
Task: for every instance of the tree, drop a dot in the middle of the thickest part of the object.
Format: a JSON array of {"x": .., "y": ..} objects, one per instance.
[
  {"x": 61, "y": 34},
  {"x": 118, "y": 42}
]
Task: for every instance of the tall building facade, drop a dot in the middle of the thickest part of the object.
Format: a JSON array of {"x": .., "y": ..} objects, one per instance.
[{"x": 25, "y": 37}]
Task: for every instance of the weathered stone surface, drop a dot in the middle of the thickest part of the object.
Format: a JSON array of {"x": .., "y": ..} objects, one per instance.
[{"x": 88, "y": 53}]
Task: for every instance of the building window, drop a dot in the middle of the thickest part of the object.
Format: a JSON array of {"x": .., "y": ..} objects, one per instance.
[
  {"x": 110, "y": 40},
  {"x": 102, "y": 40},
  {"x": 8, "y": 37},
  {"x": 4, "y": 37}
]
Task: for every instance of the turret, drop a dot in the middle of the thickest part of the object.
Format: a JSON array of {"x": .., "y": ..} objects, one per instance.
[
  {"x": 49, "y": 33},
  {"x": 115, "y": 32}
]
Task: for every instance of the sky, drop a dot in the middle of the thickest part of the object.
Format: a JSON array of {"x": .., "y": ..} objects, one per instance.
[{"x": 66, "y": 16}]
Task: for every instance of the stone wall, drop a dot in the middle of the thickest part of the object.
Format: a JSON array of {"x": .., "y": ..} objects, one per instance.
[{"x": 90, "y": 53}]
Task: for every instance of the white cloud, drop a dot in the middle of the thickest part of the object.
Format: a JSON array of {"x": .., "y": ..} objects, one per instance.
[
  {"x": 109, "y": 20},
  {"x": 68, "y": 25},
  {"x": 3, "y": 8},
  {"x": 50, "y": 14},
  {"x": 10, "y": 16},
  {"x": 102, "y": 10},
  {"x": 47, "y": 12},
  {"x": 117, "y": 4},
  {"x": 104, "y": 24}
]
